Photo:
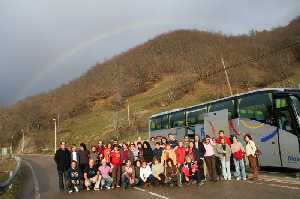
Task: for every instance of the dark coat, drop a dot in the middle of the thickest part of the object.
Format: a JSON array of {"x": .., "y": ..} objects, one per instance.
[
  {"x": 62, "y": 159},
  {"x": 200, "y": 151}
]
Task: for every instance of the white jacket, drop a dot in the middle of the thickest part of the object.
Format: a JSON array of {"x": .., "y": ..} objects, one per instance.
[
  {"x": 145, "y": 172},
  {"x": 250, "y": 148}
]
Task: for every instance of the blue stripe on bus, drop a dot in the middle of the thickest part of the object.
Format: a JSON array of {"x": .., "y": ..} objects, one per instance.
[{"x": 269, "y": 136}]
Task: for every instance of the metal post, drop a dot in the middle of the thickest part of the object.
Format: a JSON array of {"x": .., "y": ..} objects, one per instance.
[
  {"x": 226, "y": 74},
  {"x": 23, "y": 140},
  {"x": 55, "y": 139}
]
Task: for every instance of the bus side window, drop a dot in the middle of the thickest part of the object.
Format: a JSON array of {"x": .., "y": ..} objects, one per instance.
[
  {"x": 229, "y": 104},
  {"x": 177, "y": 119},
  {"x": 284, "y": 117},
  {"x": 256, "y": 107}
]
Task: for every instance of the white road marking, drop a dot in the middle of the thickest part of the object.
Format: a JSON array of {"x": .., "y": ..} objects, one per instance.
[
  {"x": 36, "y": 185},
  {"x": 274, "y": 185},
  {"x": 151, "y": 193}
]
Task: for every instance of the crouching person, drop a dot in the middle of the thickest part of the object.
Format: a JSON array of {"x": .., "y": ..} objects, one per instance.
[
  {"x": 172, "y": 174},
  {"x": 146, "y": 174},
  {"x": 74, "y": 178},
  {"x": 158, "y": 172},
  {"x": 128, "y": 177},
  {"x": 105, "y": 170},
  {"x": 92, "y": 176}
]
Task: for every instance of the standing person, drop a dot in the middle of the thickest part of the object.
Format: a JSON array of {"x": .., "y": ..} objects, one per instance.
[
  {"x": 223, "y": 152},
  {"x": 180, "y": 156},
  {"x": 124, "y": 154},
  {"x": 139, "y": 140},
  {"x": 222, "y": 135},
  {"x": 168, "y": 153},
  {"x": 62, "y": 159},
  {"x": 75, "y": 155},
  {"x": 238, "y": 151},
  {"x": 152, "y": 143},
  {"x": 106, "y": 153},
  {"x": 186, "y": 141},
  {"x": 164, "y": 142},
  {"x": 83, "y": 157},
  {"x": 104, "y": 171},
  {"x": 210, "y": 158},
  {"x": 140, "y": 149},
  {"x": 146, "y": 174},
  {"x": 135, "y": 152},
  {"x": 147, "y": 152},
  {"x": 92, "y": 177},
  {"x": 94, "y": 155},
  {"x": 172, "y": 141},
  {"x": 75, "y": 178},
  {"x": 250, "y": 153},
  {"x": 191, "y": 151},
  {"x": 100, "y": 149},
  {"x": 199, "y": 157},
  {"x": 158, "y": 172},
  {"x": 172, "y": 174},
  {"x": 116, "y": 163},
  {"x": 157, "y": 151},
  {"x": 128, "y": 177}
]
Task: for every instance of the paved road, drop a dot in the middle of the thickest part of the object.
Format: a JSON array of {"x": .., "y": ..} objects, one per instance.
[{"x": 270, "y": 186}]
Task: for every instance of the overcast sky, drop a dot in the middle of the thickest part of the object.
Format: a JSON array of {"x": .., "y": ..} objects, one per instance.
[{"x": 44, "y": 43}]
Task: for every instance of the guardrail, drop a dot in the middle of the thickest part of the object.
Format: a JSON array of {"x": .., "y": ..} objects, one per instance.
[{"x": 6, "y": 184}]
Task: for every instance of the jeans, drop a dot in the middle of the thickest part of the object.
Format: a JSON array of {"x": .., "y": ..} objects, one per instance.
[
  {"x": 62, "y": 180},
  {"x": 211, "y": 167},
  {"x": 239, "y": 168},
  {"x": 106, "y": 182},
  {"x": 116, "y": 174},
  {"x": 226, "y": 168}
]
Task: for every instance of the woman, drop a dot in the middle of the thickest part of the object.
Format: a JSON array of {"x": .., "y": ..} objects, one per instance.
[
  {"x": 209, "y": 158},
  {"x": 172, "y": 174},
  {"x": 146, "y": 174},
  {"x": 147, "y": 152},
  {"x": 250, "y": 153},
  {"x": 94, "y": 155},
  {"x": 140, "y": 150},
  {"x": 158, "y": 172},
  {"x": 106, "y": 153},
  {"x": 137, "y": 168},
  {"x": 83, "y": 157},
  {"x": 128, "y": 177},
  {"x": 223, "y": 152},
  {"x": 238, "y": 158},
  {"x": 116, "y": 166},
  {"x": 164, "y": 142},
  {"x": 191, "y": 151}
]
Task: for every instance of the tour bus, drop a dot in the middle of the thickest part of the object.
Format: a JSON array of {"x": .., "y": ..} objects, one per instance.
[{"x": 271, "y": 116}]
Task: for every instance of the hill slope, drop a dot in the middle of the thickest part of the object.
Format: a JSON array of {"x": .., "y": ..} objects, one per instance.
[{"x": 173, "y": 70}]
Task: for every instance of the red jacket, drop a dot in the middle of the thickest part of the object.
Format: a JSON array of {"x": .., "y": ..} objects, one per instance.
[
  {"x": 106, "y": 154},
  {"x": 115, "y": 158},
  {"x": 180, "y": 155},
  {"x": 227, "y": 140}
]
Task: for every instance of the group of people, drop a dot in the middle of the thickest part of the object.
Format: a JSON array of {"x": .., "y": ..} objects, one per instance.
[{"x": 161, "y": 161}]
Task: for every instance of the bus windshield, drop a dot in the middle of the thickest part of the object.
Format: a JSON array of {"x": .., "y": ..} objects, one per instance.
[{"x": 296, "y": 104}]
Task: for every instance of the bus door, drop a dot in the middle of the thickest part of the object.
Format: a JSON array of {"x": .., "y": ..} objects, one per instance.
[{"x": 287, "y": 120}]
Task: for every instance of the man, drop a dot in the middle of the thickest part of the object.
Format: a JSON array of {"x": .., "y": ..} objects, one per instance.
[
  {"x": 199, "y": 153},
  {"x": 157, "y": 151},
  {"x": 222, "y": 136},
  {"x": 172, "y": 141},
  {"x": 92, "y": 176},
  {"x": 62, "y": 159}
]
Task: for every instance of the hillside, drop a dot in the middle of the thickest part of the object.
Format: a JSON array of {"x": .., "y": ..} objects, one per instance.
[{"x": 175, "y": 69}]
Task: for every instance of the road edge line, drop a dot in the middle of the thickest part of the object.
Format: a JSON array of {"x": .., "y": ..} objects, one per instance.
[
  {"x": 36, "y": 185},
  {"x": 151, "y": 193}
]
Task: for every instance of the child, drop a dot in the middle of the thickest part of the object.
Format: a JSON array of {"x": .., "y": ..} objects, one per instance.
[
  {"x": 104, "y": 170},
  {"x": 128, "y": 177},
  {"x": 146, "y": 174},
  {"x": 116, "y": 163},
  {"x": 75, "y": 178},
  {"x": 92, "y": 176},
  {"x": 106, "y": 153},
  {"x": 168, "y": 153},
  {"x": 172, "y": 173}
]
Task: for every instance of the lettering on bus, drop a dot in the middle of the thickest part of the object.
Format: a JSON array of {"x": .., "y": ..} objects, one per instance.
[{"x": 292, "y": 158}]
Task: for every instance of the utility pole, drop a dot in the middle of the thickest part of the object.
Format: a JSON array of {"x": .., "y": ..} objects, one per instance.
[
  {"x": 226, "y": 74},
  {"x": 23, "y": 140},
  {"x": 128, "y": 113},
  {"x": 55, "y": 129},
  {"x": 58, "y": 120}
]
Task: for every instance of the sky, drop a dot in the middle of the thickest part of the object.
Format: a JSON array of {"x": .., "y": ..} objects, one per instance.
[{"x": 46, "y": 43}]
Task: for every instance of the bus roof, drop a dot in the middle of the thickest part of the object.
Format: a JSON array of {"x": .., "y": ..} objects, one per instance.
[{"x": 226, "y": 98}]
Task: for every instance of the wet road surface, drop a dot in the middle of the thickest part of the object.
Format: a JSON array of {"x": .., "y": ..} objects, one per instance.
[{"x": 269, "y": 186}]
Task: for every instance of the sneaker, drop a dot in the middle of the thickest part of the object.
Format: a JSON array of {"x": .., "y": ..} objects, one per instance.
[
  {"x": 108, "y": 188},
  {"x": 179, "y": 185},
  {"x": 96, "y": 189},
  {"x": 76, "y": 189},
  {"x": 70, "y": 191},
  {"x": 200, "y": 184},
  {"x": 88, "y": 189},
  {"x": 118, "y": 186},
  {"x": 238, "y": 178},
  {"x": 245, "y": 179}
]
